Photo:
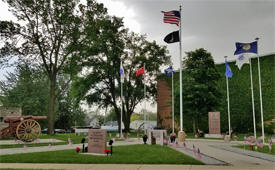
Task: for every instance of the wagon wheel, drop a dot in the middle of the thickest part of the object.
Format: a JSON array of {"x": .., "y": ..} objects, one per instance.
[{"x": 28, "y": 130}]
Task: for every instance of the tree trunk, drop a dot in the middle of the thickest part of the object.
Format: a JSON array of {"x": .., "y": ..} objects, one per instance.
[
  {"x": 51, "y": 105},
  {"x": 194, "y": 125},
  {"x": 119, "y": 121},
  {"x": 197, "y": 123},
  {"x": 126, "y": 121}
]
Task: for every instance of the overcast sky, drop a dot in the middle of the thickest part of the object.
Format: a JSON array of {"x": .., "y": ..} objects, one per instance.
[{"x": 211, "y": 24}]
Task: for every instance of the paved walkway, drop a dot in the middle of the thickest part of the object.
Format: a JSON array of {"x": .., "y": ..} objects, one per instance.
[
  {"x": 11, "y": 151},
  {"x": 14, "y": 142},
  {"x": 131, "y": 167},
  {"x": 223, "y": 151},
  {"x": 216, "y": 153}
]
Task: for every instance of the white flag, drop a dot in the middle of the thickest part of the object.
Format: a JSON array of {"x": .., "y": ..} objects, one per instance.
[{"x": 242, "y": 59}]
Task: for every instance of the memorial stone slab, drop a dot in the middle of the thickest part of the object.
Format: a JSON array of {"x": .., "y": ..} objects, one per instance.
[
  {"x": 97, "y": 141},
  {"x": 214, "y": 122},
  {"x": 157, "y": 134}
]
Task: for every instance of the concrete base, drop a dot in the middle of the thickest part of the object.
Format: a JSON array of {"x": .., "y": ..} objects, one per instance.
[
  {"x": 95, "y": 154},
  {"x": 181, "y": 136},
  {"x": 213, "y": 136}
]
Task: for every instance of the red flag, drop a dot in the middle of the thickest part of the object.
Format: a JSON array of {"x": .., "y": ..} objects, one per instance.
[{"x": 140, "y": 71}]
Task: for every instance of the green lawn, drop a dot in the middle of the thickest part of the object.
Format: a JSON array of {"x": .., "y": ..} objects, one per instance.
[
  {"x": 134, "y": 154},
  {"x": 265, "y": 149},
  {"x": 240, "y": 136}
]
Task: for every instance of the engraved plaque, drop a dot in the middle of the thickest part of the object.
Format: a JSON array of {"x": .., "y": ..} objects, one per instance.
[
  {"x": 214, "y": 123},
  {"x": 97, "y": 140}
]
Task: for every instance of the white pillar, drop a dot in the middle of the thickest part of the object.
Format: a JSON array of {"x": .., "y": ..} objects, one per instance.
[
  {"x": 260, "y": 88},
  {"x": 228, "y": 106},
  {"x": 180, "y": 34},
  {"x": 173, "y": 113},
  {"x": 252, "y": 93}
]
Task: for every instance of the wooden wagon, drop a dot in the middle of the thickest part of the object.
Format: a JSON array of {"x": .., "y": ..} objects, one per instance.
[{"x": 24, "y": 128}]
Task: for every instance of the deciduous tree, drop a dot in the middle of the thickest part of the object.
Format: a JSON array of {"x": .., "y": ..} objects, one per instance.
[
  {"x": 51, "y": 33},
  {"x": 200, "y": 86},
  {"x": 101, "y": 85}
]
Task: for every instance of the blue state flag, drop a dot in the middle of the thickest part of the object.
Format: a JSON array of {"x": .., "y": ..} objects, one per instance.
[
  {"x": 169, "y": 71},
  {"x": 122, "y": 74},
  {"x": 228, "y": 72},
  {"x": 246, "y": 48}
]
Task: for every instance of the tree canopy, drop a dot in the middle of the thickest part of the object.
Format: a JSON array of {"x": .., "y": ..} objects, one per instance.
[
  {"x": 200, "y": 89},
  {"x": 101, "y": 84},
  {"x": 51, "y": 33},
  {"x": 28, "y": 87}
]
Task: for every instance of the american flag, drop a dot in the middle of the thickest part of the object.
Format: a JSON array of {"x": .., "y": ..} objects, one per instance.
[
  {"x": 194, "y": 149},
  {"x": 270, "y": 146},
  {"x": 171, "y": 17},
  {"x": 184, "y": 146},
  {"x": 70, "y": 142},
  {"x": 199, "y": 154},
  {"x": 259, "y": 143}
]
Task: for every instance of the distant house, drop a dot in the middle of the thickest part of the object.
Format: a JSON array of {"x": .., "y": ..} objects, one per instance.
[
  {"x": 93, "y": 122},
  {"x": 8, "y": 111},
  {"x": 139, "y": 124},
  {"x": 111, "y": 126}
]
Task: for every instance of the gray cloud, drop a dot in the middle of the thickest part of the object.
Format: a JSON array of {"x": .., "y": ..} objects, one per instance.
[{"x": 213, "y": 25}]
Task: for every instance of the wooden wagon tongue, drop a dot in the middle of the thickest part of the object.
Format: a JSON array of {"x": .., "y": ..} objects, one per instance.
[{"x": 25, "y": 128}]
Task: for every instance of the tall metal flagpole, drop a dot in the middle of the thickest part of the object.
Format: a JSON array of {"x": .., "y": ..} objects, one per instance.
[
  {"x": 260, "y": 85},
  {"x": 173, "y": 113},
  {"x": 252, "y": 93},
  {"x": 145, "y": 124},
  {"x": 121, "y": 86},
  {"x": 181, "y": 129},
  {"x": 228, "y": 105}
]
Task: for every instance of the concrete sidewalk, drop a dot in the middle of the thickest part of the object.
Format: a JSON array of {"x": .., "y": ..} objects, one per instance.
[
  {"x": 131, "y": 167},
  {"x": 215, "y": 149},
  {"x": 10, "y": 151},
  {"x": 14, "y": 142}
]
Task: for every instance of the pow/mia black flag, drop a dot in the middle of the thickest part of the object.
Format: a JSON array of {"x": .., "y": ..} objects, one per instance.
[{"x": 172, "y": 37}]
